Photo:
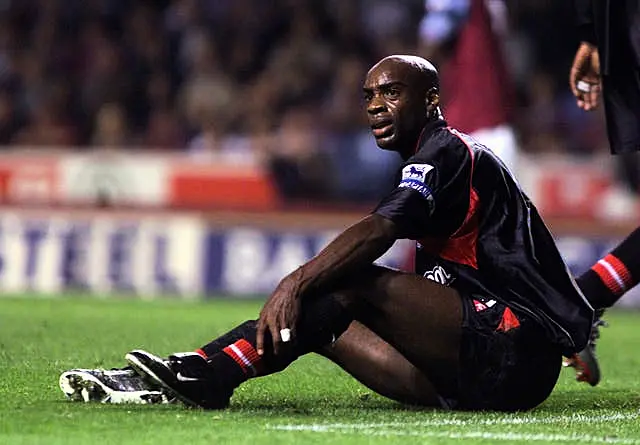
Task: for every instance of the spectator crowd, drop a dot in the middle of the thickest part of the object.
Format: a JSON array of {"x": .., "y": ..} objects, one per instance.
[{"x": 278, "y": 80}]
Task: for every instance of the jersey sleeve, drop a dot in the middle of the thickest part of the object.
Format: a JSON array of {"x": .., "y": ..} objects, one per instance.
[
  {"x": 584, "y": 21},
  {"x": 431, "y": 197}
]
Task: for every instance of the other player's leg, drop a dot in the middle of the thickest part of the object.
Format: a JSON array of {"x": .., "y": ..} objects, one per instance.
[{"x": 603, "y": 285}]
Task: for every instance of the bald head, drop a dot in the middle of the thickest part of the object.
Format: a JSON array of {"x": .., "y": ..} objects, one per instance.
[
  {"x": 419, "y": 69},
  {"x": 402, "y": 95}
]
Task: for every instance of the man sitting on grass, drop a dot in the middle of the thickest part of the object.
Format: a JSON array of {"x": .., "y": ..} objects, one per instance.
[{"x": 489, "y": 334}]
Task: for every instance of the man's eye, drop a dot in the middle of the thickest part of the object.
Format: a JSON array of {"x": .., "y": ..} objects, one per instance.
[
  {"x": 393, "y": 93},
  {"x": 368, "y": 97}
]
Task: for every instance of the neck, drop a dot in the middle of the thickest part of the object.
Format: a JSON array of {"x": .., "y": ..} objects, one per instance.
[{"x": 410, "y": 146}]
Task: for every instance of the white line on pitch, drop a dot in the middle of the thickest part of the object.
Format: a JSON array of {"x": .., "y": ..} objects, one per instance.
[
  {"x": 529, "y": 420},
  {"x": 520, "y": 437}
]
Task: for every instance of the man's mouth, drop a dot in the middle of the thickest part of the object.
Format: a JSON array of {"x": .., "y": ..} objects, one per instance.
[{"x": 382, "y": 129}]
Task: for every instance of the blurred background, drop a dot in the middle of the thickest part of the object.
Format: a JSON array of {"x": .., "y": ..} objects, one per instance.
[{"x": 208, "y": 147}]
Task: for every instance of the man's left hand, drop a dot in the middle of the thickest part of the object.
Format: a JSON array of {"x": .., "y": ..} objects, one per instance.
[{"x": 280, "y": 312}]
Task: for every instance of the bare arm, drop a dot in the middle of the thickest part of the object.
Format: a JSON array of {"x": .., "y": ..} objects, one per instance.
[{"x": 358, "y": 246}]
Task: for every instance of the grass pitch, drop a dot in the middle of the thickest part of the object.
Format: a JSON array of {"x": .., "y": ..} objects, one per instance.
[{"x": 311, "y": 402}]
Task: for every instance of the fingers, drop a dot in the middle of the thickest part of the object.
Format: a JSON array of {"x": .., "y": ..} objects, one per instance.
[
  {"x": 266, "y": 324},
  {"x": 275, "y": 337},
  {"x": 591, "y": 98},
  {"x": 285, "y": 322},
  {"x": 279, "y": 314},
  {"x": 260, "y": 336},
  {"x": 574, "y": 76},
  {"x": 588, "y": 95},
  {"x": 582, "y": 91},
  {"x": 292, "y": 321}
]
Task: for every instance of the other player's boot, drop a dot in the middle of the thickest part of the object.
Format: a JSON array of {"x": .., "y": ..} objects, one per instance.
[
  {"x": 187, "y": 376},
  {"x": 115, "y": 386},
  {"x": 585, "y": 362}
]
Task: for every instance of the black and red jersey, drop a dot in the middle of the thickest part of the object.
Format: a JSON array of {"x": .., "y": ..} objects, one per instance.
[{"x": 478, "y": 232}]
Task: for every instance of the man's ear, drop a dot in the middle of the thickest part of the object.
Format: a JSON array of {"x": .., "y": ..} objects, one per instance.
[{"x": 432, "y": 99}]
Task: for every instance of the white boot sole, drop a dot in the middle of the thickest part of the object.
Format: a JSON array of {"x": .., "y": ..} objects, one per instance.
[{"x": 81, "y": 386}]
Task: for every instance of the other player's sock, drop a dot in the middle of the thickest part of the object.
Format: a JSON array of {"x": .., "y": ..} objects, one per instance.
[
  {"x": 322, "y": 320},
  {"x": 613, "y": 275}
]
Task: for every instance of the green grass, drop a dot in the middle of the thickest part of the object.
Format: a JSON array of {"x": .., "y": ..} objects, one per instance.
[{"x": 311, "y": 402}]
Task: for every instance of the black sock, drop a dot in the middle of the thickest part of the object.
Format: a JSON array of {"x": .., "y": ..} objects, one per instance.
[
  {"x": 322, "y": 320},
  {"x": 218, "y": 344},
  {"x": 594, "y": 289},
  {"x": 613, "y": 275}
]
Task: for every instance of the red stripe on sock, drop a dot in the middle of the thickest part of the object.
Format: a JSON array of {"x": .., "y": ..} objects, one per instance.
[
  {"x": 621, "y": 270},
  {"x": 247, "y": 358},
  {"x": 249, "y": 351},
  {"x": 231, "y": 353},
  {"x": 607, "y": 279},
  {"x": 201, "y": 353}
]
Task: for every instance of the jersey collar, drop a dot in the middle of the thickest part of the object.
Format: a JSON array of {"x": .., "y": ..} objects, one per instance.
[{"x": 428, "y": 130}]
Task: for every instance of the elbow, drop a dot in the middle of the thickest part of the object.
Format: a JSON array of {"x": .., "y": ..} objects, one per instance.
[{"x": 384, "y": 231}]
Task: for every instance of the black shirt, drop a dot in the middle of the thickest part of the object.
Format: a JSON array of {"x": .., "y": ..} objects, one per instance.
[{"x": 478, "y": 232}]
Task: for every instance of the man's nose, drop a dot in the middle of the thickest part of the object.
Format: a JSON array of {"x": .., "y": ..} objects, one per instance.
[{"x": 376, "y": 105}]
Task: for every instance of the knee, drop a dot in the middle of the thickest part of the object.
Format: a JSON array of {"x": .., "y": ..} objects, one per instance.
[
  {"x": 371, "y": 285},
  {"x": 345, "y": 299}
]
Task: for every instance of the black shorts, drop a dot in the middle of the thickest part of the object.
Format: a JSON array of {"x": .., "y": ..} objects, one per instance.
[{"x": 506, "y": 361}]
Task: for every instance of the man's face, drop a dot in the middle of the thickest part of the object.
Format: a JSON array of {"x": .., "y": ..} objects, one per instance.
[{"x": 396, "y": 107}]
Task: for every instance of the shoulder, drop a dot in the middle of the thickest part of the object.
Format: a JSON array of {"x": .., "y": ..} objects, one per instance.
[{"x": 442, "y": 146}]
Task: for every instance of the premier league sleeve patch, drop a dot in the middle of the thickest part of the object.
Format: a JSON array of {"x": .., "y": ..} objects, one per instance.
[{"x": 414, "y": 176}]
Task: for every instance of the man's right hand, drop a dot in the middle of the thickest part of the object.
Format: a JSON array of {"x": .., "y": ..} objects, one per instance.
[{"x": 584, "y": 77}]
